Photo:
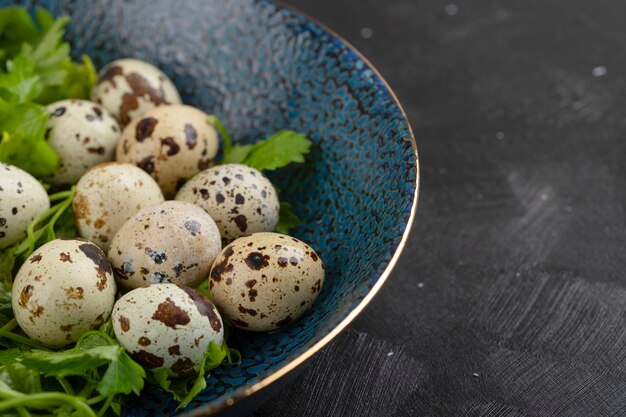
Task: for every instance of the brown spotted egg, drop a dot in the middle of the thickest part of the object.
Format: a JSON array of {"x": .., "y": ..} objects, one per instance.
[
  {"x": 173, "y": 242},
  {"x": 83, "y": 134},
  {"x": 265, "y": 281},
  {"x": 240, "y": 199},
  {"x": 171, "y": 143},
  {"x": 62, "y": 290},
  {"x": 167, "y": 326},
  {"x": 127, "y": 88},
  {"x": 22, "y": 200},
  {"x": 108, "y": 195}
]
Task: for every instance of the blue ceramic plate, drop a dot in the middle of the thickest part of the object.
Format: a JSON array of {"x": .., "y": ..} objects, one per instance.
[{"x": 261, "y": 67}]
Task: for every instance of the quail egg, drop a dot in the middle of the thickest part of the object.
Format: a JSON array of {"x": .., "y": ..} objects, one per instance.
[
  {"x": 62, "y": 290},
  {"x": 22, "y": 200},
  {"x": 108, "y": 195},
  {"x": 265, "y": 281},
  {"x": 240, "y": 199},
  {"x": 83, "y": 134},
  {"x": 167, "y": 326},
  {"x": 171, "y": 143},
  {"x": 129, "y": 87},
  {"x": 171, "y": 242}
]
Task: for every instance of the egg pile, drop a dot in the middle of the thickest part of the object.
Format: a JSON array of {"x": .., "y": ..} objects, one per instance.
[{"x": 156, "y": 219}]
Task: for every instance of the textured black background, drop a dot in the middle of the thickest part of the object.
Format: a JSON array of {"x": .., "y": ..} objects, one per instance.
[{"x": 509, "y": 299}]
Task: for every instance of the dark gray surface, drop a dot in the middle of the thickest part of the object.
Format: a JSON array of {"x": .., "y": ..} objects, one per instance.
[{"x": 510, "y": 298}]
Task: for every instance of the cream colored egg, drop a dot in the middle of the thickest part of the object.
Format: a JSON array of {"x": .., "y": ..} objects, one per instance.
[
  {"x": 107, "y": 196},
  {"x": 173, "y": 242},
  {"x": 83, "y": 134},
  {"x": 265, "y": 281},
  {"x": 171, "y": 143},
  {"x": 167, "y": 326},
  {"x": 62, "y": 290},
  {"x": 240, "y": 199},
  {"x": 127, "y": 88},
  {"x": 22, "y": 200}
]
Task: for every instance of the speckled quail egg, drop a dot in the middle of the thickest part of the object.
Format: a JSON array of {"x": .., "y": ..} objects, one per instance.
[
  {"x": 167, "y": 326},
  {"x": 171, "y": 143},
  {"x": 129, "y": 87},
  {"x": 108, "y": 195},
  {"x": 240, "y": 199},
  {"x": 22, "y": 200},
  {"x": 173, "y": 242},
  {"x": 62, "y": 290},
  {"x": 83, "y": 134},
  {"x": 265, "y": 281}
]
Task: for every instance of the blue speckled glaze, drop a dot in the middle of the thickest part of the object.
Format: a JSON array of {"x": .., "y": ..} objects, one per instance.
[{"x": 260, "y": 68}]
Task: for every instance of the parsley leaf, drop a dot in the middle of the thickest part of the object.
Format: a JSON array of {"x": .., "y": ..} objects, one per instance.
[
  {"x": 287, "y": 219},
  {"x": 277, "y": 151},
  {"x": 6, "y": 310},
  {"x": 185, "y": 390},
  {"x": 93, "y": 350},
  {"x": 7, "y": 263},
  {"x": 20, "y": 83},
  {"x": 122, "y": 376},
  {"x": 17, "y": 376},
  {"x": 70, "y": 362},
  {"x": 98, "y": 371},
  {"x": 237, "y": 155},
  {"x": 8, "y": 356},
  {"x": 36, "y": 69},
  {"x": 16, "y": 28},
  {"x": 217, "y": 123},
  {"x": 79, "y": 80},
  {"x": 23, "y": 141}
]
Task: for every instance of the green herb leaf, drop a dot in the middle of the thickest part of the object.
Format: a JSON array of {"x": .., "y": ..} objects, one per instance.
[
  {"x": 7, "y": 262},
  {"x": 237, "y": 154},
  {"x": 70, "y": 362},
  {"x": 36, "y": 69},
  {"x": 203, "y": 288},
  {"x": 231, "y": 154},
  {"x": 116, "y": 405},
  {"x": 92, "y": 339},
  {"x": 184, "y": 390},
  {"x": 161, "y": 377},
  {"x": 18, "y": 377},
  {"x": 122, "y": 376},
  {"x": 213, "y": 357},
  {"x": 215, "y": 122},
  {"x": 44, "y": 19},
  {"x": 79, "y": 80},
  {"x": 23, "y": 141},
  {"x": 16, "y": 28},
  {"x": 50, "y": 53},
  {"x": 57, "y": 403},
  {"x": 6, "y": 310},
  {"x": 9, "y": 356},
  {"x": 65, "y": 226},
  {"x": 279, "y": 150},
  {"x": 287, "y": 219},
  {"x": 20, "y": 83},
  {"x": 93, "y": 350}
]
